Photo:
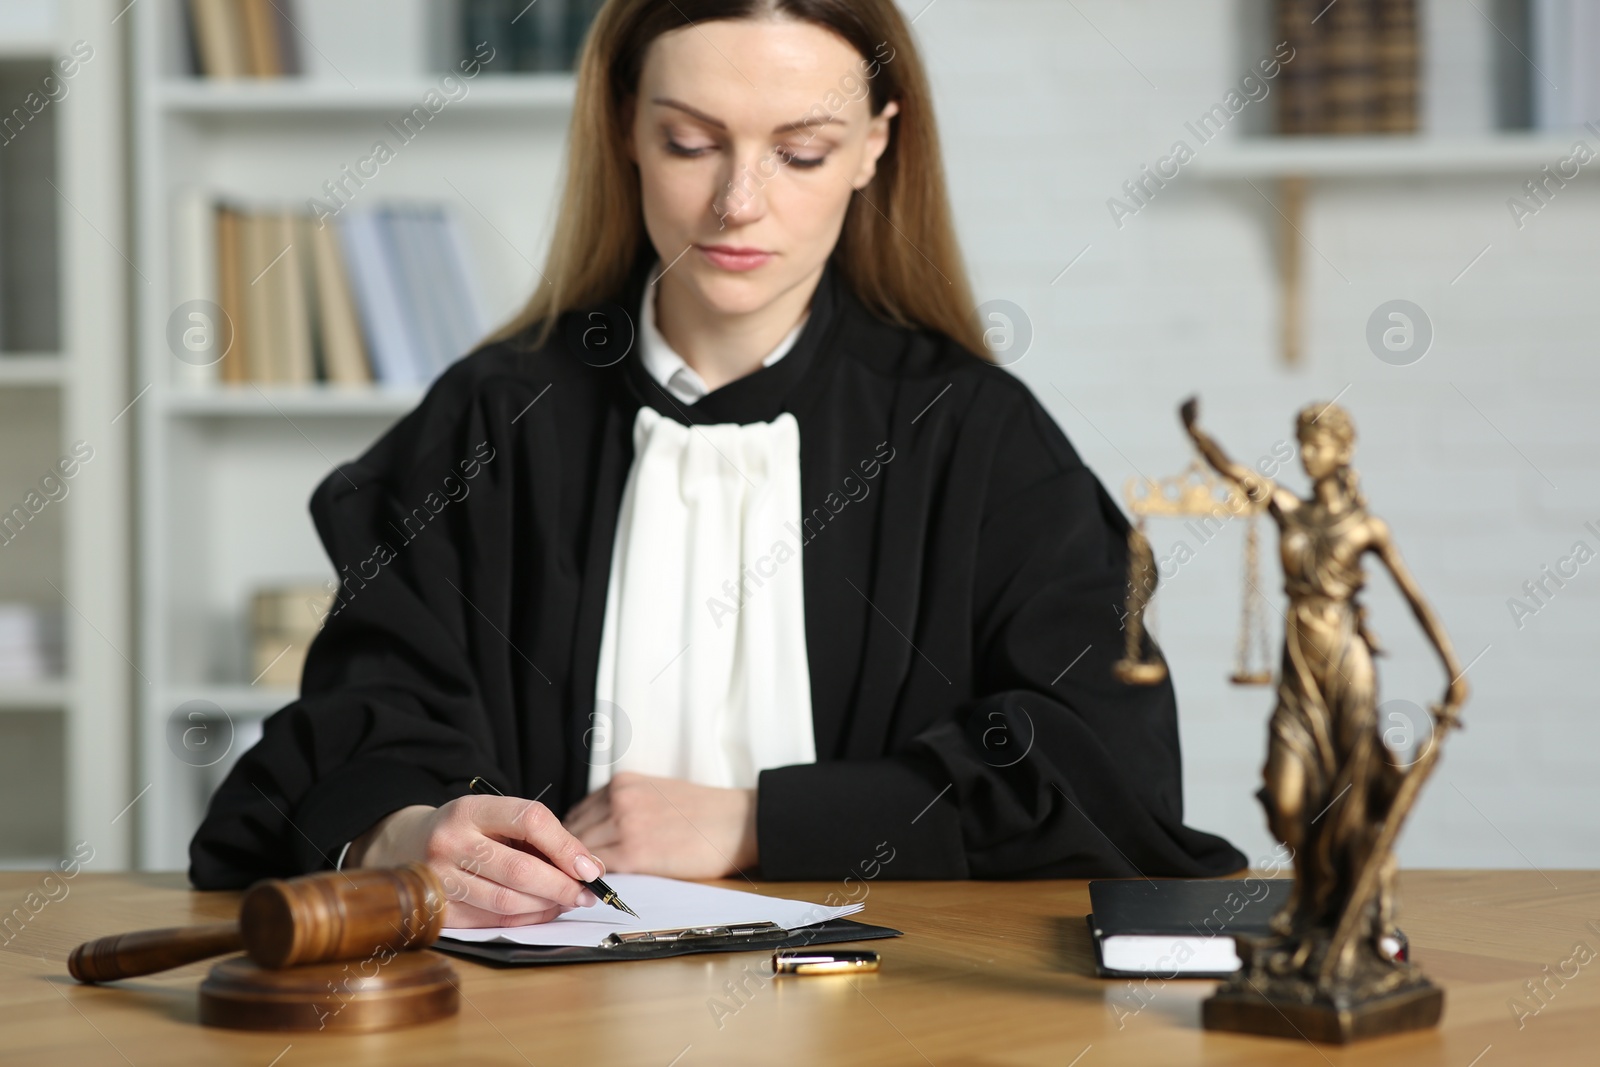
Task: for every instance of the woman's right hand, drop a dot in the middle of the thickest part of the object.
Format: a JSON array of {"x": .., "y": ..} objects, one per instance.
[{"x": 502, "y": 861}]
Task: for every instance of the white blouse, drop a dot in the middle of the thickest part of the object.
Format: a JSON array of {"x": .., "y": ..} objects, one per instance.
[{"x": 703, "y": 672}]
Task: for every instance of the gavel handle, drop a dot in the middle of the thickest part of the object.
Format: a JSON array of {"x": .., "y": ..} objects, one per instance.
[{"x": 148, "y": 951}]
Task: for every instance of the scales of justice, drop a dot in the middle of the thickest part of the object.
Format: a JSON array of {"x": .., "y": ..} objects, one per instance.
[{"x": 1332, "y": 791}]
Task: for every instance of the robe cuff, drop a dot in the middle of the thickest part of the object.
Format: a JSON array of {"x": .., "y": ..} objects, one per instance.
[
  {"x": 821, "y": 821},
  {"x": 348, "y": 804}
]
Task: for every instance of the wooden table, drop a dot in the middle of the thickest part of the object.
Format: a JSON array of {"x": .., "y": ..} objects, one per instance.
[{"x": 959, "y": 988}]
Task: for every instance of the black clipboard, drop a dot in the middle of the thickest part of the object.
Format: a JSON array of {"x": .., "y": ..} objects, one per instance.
[{"x": 831, "y": 932}]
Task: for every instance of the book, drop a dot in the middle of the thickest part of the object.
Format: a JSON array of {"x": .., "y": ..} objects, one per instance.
[
  {"x": 1513, "y": 74},
  {"x": 539, "y": 37},
  {"x": 395, "y": 359},
  {"x": 290, "y": 299},
  {"x": 1300, "y": 82},
  {"x": 241, "y": 38},
  {"x": 1184, "y": 927},
  {"x": 580, "y": 17},
  {"x": 1550, "y": 24},
  {"x": 1564, "y": 64},
  {"x": 193, "y": 64},
  {"x": 406, "y": 246},
  {"x": 1349, "y": 74},
  {"x": 257, "y": 307},
  {"x": 263, "y": 253},
  {"x": 195, "y": 278},
  {"x": 288, "y": 37},
  {"x": 486, "y": 24},
  {"x": 381, "y": 294},
  {"x": 303, "y": 226},
  {"x": 1396, "y": 67},
  {"x": 283, "y": 622},
  {"x": 426, "y": 256},
  {"x": 219, "y": 37},
  {"x": 467, "y": 318},
  {"x": 344, "y": 353},
  {"x": 235, "y": 366},
  {"x": 1355, "y": 68},
  {"x": 546, "y": 36},
  {"x": 447, "y": 283},
  {"x": 30, "y": 643},
  {"x": 260, "y": 24}
]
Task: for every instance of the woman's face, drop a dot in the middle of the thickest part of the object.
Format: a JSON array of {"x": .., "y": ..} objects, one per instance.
[
  {"x": 751, "y": 137},
  {"x": 1323, "y": 453}
]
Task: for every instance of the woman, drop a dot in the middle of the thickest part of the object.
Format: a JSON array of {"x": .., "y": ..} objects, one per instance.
[
  {"x": 750, "y": 559},
  {"x": 1329, "y": 779}
]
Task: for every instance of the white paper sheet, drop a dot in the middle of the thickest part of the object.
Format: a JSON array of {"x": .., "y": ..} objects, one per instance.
[{"x": 662, "y": 904}]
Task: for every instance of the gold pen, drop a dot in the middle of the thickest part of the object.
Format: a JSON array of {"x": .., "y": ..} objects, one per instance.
[
  {"x": 813, "y": 961},
  {"x": 598, "y": 887}
]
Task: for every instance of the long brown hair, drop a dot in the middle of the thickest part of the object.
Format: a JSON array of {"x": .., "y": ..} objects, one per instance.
[{"x": 897, "y": 250}]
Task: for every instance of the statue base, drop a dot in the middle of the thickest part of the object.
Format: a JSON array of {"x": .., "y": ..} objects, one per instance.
[
  {"x": 1250, "y": 1012},
  {"x": 1276, "y": 993}
]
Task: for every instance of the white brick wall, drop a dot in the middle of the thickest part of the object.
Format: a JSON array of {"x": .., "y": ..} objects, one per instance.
[{"x": 1043, "y": 120}]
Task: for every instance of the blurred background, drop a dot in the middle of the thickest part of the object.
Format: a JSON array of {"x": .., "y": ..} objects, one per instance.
[{"x": 1265, "y": 202}]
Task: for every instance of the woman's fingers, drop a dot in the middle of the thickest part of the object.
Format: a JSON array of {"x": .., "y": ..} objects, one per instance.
[
  {"x": 462, "y": 915},
  {"x": 533, "y": 823},
  {"x": 463, "y": 885},
  {"x": 527, "y": 874}
]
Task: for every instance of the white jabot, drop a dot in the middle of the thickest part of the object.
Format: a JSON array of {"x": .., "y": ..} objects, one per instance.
[
  {"x": 703, "y": 673},
  {"x": 667, "y": 367}
]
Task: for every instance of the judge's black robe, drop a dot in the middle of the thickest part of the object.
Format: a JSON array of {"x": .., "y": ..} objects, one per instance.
[{"x": 964, "y": 575}]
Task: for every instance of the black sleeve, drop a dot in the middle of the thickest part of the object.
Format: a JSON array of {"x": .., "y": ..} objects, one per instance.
[
  {"x": 1055, "y": 768},
  {"x": 389, "y": 713}
]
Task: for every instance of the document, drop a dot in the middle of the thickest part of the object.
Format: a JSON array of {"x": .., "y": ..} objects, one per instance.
[{"x": 662, "y": 904}]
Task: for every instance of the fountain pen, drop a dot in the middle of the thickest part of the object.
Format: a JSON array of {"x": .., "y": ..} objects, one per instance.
[{"x": 598, "y": 887}]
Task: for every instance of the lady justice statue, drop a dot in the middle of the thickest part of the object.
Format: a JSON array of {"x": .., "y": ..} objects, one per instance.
[{"x": 1333, "y": 791}]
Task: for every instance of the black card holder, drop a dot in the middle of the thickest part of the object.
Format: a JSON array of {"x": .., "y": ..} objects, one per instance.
[{"x": 832, "y": 932}]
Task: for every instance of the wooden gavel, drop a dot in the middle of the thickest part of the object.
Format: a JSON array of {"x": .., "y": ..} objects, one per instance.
[{"x": 314, "y": 918}]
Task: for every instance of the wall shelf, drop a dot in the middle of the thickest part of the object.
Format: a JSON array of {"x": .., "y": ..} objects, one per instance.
[
  {"x": 31, "y": 370},
  {"x": 46, "y": 695},
  {"x": 1295, "y": 164},
  {"x": 275, "y": 401},
  {"x": 1381, "y": 157},
  {"x": 291, "y": 96},
  {"x": 26, "y": 49},
  {"x": 243, "y": 700}
]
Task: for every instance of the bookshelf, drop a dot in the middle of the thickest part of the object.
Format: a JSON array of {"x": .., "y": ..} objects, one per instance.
[
  {"x": 228, "y": 470},
  {"x": 65, "y": 738}
]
